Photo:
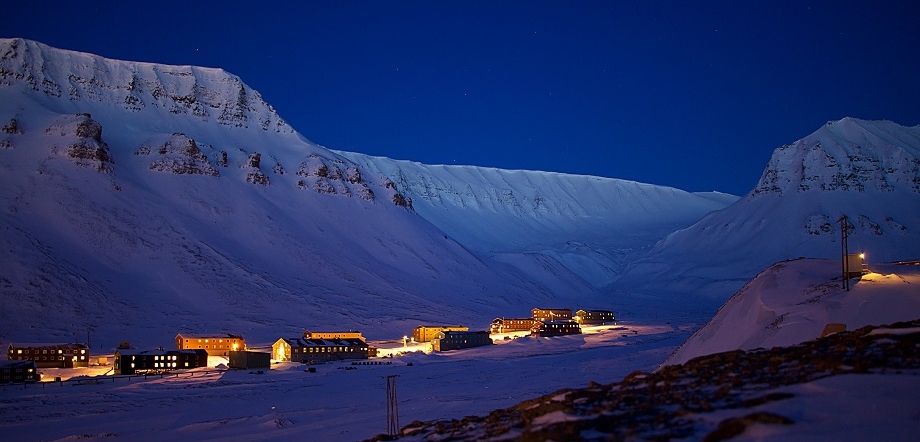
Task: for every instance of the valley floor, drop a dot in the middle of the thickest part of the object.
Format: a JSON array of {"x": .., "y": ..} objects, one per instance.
[{"x": 340, "y": 401}]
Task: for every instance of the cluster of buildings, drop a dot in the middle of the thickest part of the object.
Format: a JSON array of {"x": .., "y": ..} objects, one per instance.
[
  {"x": 542, "y": 322},
  {"x": 192, "y": 350},
  {"x": 553, "y": 321}
]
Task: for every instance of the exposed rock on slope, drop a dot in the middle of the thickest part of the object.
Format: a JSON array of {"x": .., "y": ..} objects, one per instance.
[
  {"x": 83, "y": 137},
  {"x": 710, "y": 398},
  {"x": 180, "y": 155}
]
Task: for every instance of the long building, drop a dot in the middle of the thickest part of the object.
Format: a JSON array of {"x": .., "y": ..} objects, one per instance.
[
  {"x": 594, "y": 317},
  {"x": 456, "y": 340},
  {"x": 425, "y": 333},
  {"x": 556, "y": 328},
  {"x": 132, "y": 361},
  {"x": 215, "y": 344},
  {"x": 505, "y": 325},
  {"x": 551, "y": 314},
  {"x": 50, "y": 355},
  {"x": 318, "y": 350},
  {"x": 333, "y": 335}
]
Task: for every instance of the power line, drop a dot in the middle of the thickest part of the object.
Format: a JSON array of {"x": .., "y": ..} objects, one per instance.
[{"x": 392, "y": 406}]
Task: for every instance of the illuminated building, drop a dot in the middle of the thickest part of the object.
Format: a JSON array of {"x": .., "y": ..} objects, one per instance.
[
  {"x": 47, "y": 355},
  {"x": 556, "y": 328},
  {"x": 594, "y": 317},
  {"x": 132, "y": 361},
  {"x": 215, "y": 345},
  {"x": 333, "y": 335},
  {"x": 318, "y": 350},
  {"x": 18, "y": 371},
  {"x": 425, "y": 333},
  {"x": 551, "y": 314},
  {"x": 505, "y": 325}
]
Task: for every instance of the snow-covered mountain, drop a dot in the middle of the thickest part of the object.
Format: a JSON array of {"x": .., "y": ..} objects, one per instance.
[
  {"x": 793, "y": 301},
  {"x": 139, "y": 200},
  {"x": 868, "y": 171},
  {"x": 531, "y": 219}
]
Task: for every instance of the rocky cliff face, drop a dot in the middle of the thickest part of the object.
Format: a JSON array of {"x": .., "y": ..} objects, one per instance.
[
  {"x": 847, "y": 155},
  {"x": 867, "y": 171},
  {"x": 209, "y": 95}
]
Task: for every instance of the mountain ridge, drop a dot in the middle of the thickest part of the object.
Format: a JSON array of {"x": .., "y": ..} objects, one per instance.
[{"x": 156, "y": 214}]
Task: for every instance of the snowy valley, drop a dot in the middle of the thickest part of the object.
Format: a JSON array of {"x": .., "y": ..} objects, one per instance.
[{"x": 142, "y": 200}]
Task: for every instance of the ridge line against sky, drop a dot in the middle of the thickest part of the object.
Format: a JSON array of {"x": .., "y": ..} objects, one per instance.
[{"x": 690, "y": 95}]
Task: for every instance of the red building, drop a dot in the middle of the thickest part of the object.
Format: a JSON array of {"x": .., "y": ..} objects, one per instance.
[
  {"x": 50, "y": 355},
  {"x": 505, "y": 325},
  {"x": 551, "y": 314}
]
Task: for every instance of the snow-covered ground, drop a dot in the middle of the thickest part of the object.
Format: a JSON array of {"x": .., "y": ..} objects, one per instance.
[
  {"x": 848, "y": 407},
  {"x": 334, "y": 403},
  {"x": 793, "y": 301}
]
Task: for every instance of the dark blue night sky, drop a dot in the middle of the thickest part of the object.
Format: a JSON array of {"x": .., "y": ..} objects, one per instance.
[{"x": 694, "y": 95}]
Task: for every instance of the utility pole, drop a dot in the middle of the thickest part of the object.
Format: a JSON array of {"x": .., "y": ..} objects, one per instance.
[
  {"x": 844, "y": 250},
  {"x": 392, "y": 406}
]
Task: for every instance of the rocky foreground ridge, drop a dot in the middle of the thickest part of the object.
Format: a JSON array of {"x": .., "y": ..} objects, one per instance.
[{"x": 672, "y": 402}]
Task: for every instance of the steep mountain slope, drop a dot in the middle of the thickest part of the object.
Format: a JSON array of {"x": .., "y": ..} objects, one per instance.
[
  {"x": 866, "y": 170},
  {"x": 793, "y": 302},
  {"x": 139, "y": 200},
  {"x": 592, "y": 225}
]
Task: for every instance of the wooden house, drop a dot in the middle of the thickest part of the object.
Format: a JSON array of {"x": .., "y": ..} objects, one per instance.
[
  {"x": 133, "y": 361},
  {"x": 318, "y": 350},
  {"x": 594, "y": 317},
  {"x": 333, "y": 335},
  {"x": 556, "y": 328},
  {"x": 456, "y": 340},
  {"x": 20, "y": 371},
  {"x": 214, "y": 344},
  {"x": 551, "y": 314},
  {"x": 50, "y": 355},
  {"x": 425, "y": 333},
  {"x": 505, "y": 325}
]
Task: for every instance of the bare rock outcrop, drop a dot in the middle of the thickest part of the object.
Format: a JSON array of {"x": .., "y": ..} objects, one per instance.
[
  {"x": 83, "y": 143},
  {"x": 179, "y": 155}
]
